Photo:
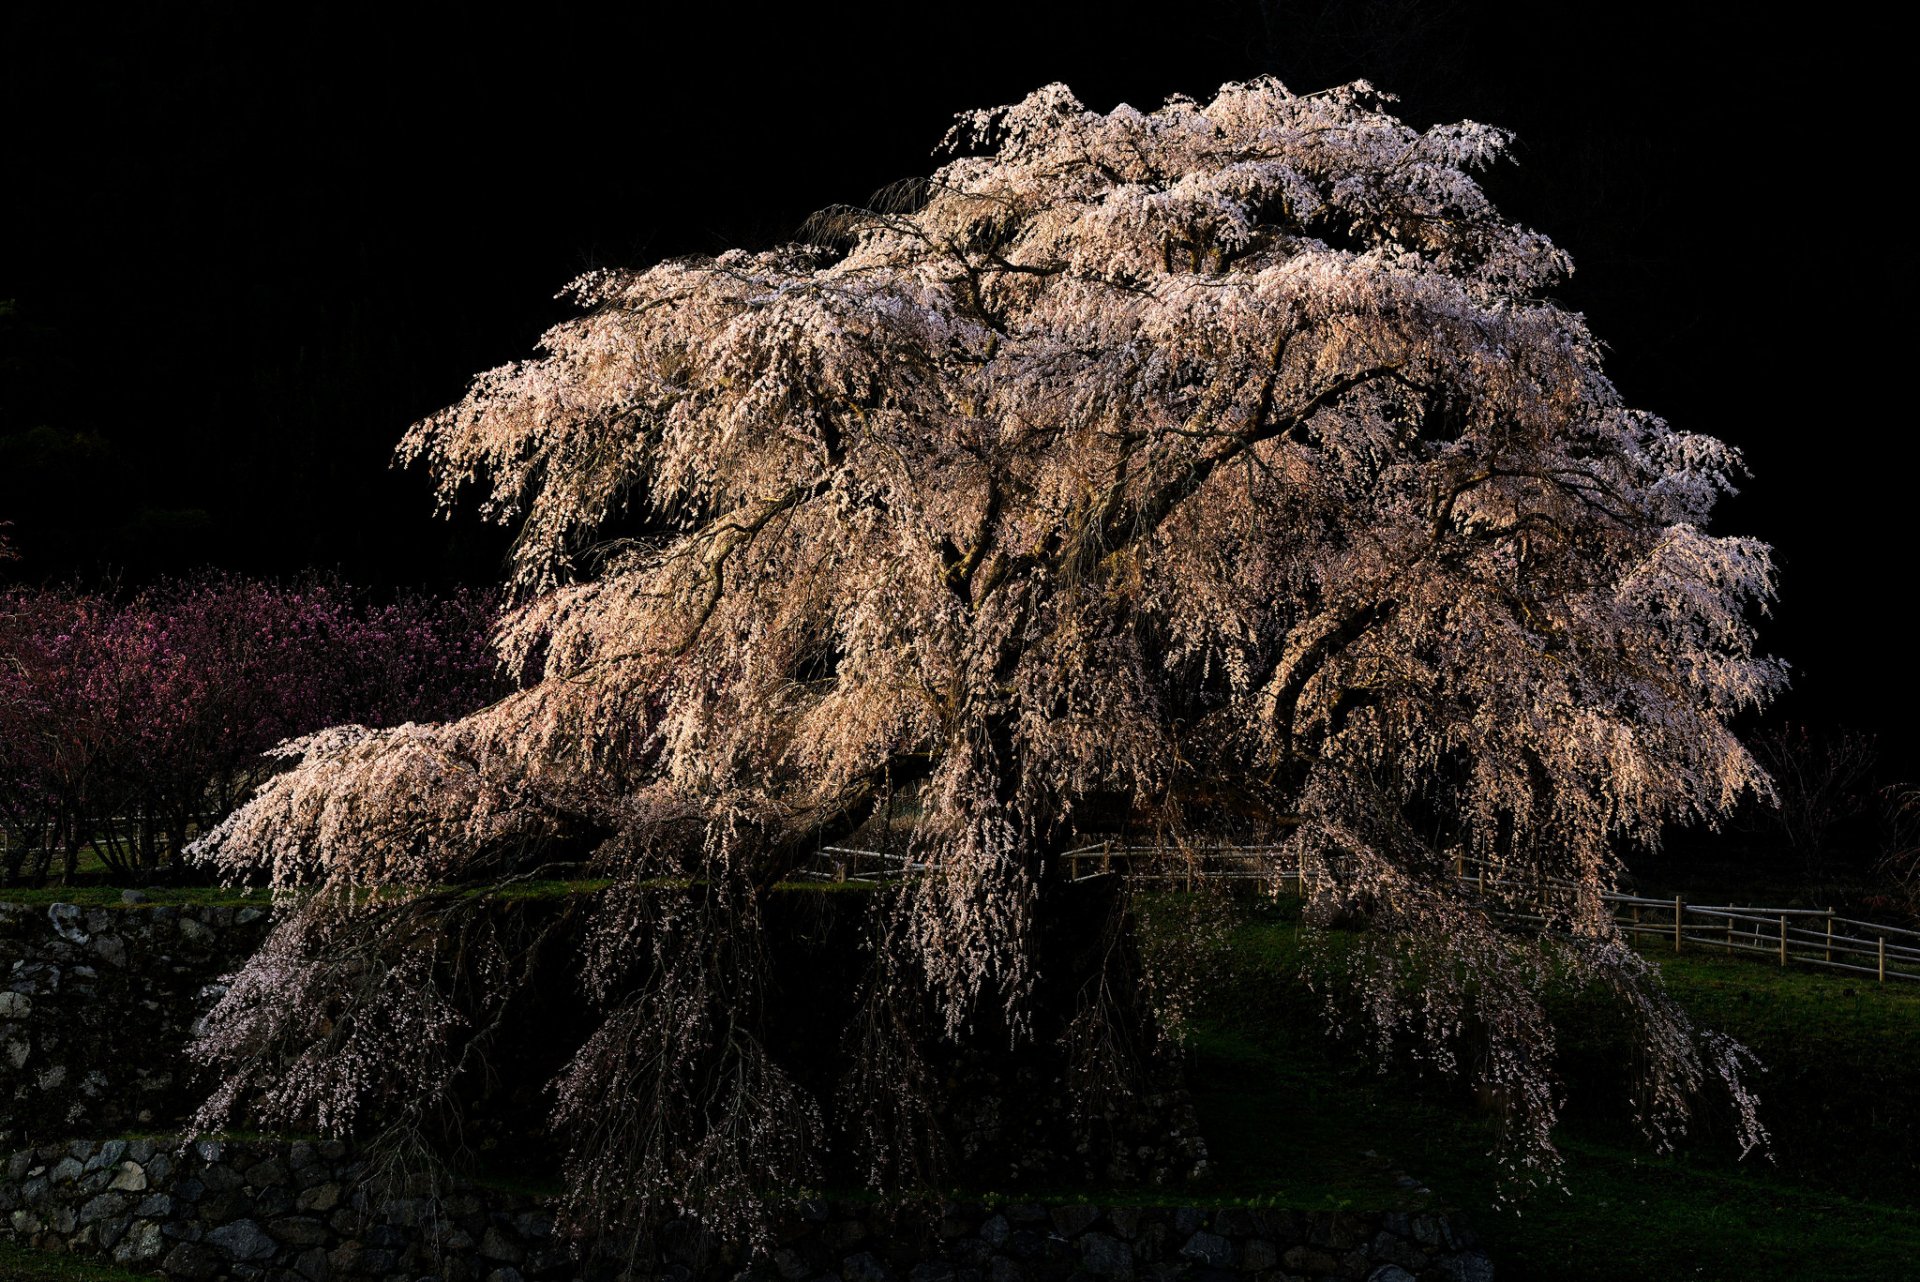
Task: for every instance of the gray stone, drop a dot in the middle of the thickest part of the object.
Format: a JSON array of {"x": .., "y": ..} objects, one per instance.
[
  {"x": 190, "y": 1260},
  {"x": 247, "y": 916},
  {"x": 129, "y": 1178},
  {"x": 995, "y": 1230},
  {"x": 323, "y": 1197},
  {"x": 863, "y": 1267},
  {"x": 15, "y": 1006},
  {"x": 298, "y": 1230},
  {"x": 1208, "y": 1248},
  {"x": 68, "y": 922},
  {"x": 312, "y": 1265},
  {"x": 1106, "y": 1256},
  {"x": 268, "y": 1174},
  {"x": 242, "y": 1240},
  {"x": 66, "y": 1171},
  {"x": 99, "y": 1208},
  {"x": 495, "y": 1245},
  {"x": 1071, "y": 1221},
  {"x": 111, "y": 1231},
  {"x": 1469, "y": 1266},
  {"x": 1390, "y": 1273},
  {"x": 133, "y": 896},
  {"x": 195, "y": 933},
  {"x": 154, "y": 1206},
  {"x": 1257, "y": 1255},
  {"x": 110, "y": 949},
  {"x": 142, "y": 1243},
  {"x": 506, "y": 1273}
]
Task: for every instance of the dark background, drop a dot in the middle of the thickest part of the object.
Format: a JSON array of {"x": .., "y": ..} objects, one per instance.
[{"x": 249, "y": 245}]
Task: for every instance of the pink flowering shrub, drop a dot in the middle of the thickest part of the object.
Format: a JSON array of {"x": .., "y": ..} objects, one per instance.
[{"x": 131, "y": 723}]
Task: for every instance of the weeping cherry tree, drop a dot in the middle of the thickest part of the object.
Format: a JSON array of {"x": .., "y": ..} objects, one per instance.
[{"x": 1231, "y": 460}]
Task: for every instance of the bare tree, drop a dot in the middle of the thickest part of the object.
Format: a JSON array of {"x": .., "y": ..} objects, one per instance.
[
  {"x": 1822, "y": 783},
  {"x": 1228, "y": 458}
]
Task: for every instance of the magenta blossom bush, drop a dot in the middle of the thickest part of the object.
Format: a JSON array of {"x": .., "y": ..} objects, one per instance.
[{"x": 130, "y": 723}]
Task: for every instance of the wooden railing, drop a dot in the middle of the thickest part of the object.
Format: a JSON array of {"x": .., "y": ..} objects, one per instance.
[{"x": 1819, "y": 938}]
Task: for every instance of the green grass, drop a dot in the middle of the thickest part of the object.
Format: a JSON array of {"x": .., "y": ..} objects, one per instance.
[
  {"x": 1291, "y": 1115},
  {"x": 24, "y": 1264},
  {"x": 109, "y": 896}
]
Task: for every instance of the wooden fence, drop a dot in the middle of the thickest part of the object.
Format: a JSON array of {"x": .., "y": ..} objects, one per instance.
[{"x": 1819, "y": 938}]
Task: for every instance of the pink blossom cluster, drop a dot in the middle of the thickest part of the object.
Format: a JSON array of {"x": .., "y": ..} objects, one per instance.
[{"x": 131, "y": 723}]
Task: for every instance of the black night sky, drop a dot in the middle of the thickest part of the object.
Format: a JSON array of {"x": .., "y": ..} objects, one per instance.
[{"x": 248, "y": 245}]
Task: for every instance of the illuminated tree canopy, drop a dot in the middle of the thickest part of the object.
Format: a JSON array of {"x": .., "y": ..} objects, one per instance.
[{"x": 1229, "y": 459}]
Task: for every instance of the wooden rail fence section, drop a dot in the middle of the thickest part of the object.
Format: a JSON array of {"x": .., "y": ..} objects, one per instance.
[{"x": 1815, "y": 937}]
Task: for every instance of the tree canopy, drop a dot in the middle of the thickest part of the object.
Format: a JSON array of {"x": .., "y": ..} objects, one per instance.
[{"x": 1230, "y": 460}]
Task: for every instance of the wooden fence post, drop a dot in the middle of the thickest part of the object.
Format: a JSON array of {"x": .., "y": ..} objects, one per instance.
[
  {"x": 1729, "y": 934},
  {"x": 1636, "y": 925},
  {"x": 1883, "y": 959},
  {"x": 1678, "y": 910},
  {"x": 1783, "y": 939},
  {"x": 1829, "y": 936},
  {"x": 1073, "y": 867}
]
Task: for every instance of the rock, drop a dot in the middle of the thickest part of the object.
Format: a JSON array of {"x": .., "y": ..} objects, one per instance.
[
  {"x": 99, "y": 1208},
  {"x": 1390, "y": 1273},
  {"x": 190, "y": 1260},
  {"x": 298, "y": 1230},
  {"x": 111, "y": 950},
  {"x": 66, "y": 1171},
  {"x": 68, "y": 922},
  {"x": 1071, "y": 1221},
  {"x": 247, "y": 916},
  {"x": 1208, "y": 1248},
  {"x": 1106, "y": 1256},
  {"x": 505, "y": 1274},
  {"x": 1258, "y": 1255},
  {"x": 268, "y": 1174},
  {"x": 133, "y": 896},
  {"x": 15, "y": 1006},
  {"x": 863, "y": 1267},
  {"x": 995, "y": 1230},
  {"x": 194, "y": 932},
  {"x": 242, "y": 1240},
  {"x": 1469, "y": 1266},
  {"x": 142, "y": 1243},
  {"x": 129, "y": 1179},
  {"x": 322, "y": 1197},
  {"x": 495, "y": 1245},
  {"x": 312, "y": 1265}
]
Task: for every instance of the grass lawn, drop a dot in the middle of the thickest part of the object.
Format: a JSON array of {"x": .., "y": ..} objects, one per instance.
[
  {"x": 22, "y": 1264},
  {"x": 1289, "y": 1113}
]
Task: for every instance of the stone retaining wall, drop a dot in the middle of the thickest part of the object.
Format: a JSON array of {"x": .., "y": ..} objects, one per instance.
[
  {"x": 262, "y": 1211},
  {"x": 95, "y": 1006}
]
